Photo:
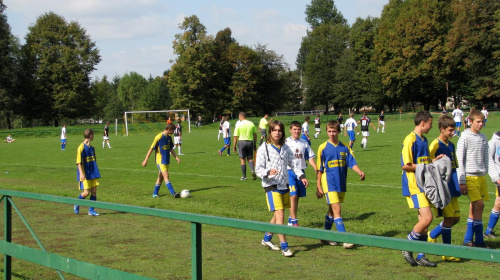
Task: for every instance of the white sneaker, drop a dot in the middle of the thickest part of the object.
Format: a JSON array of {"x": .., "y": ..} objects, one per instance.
[
  {"x": 348, "y": 245},
  {"x": 270, "y": 245},
  {"x": 287, "y": 252}
]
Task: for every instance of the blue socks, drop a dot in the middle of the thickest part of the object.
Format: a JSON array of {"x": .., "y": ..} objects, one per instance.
[
  {"x": 292, "y": 221},
  {"x": 446, "y": 234},
  {"x": 157, "y": 189},
  {"x": 268, "y": 237},
  {"x": 284, "y": 245},
  {"x": 91, "y": 209},
  {"x": 436, "y": 231},
  {"x": 339, "y": 224},
  {"x": 477, "y": 228},
  {"x": 170, "y": 187},
  {"x": 328, "y": 222},
  {"x": 492, "y": 221},
  {"x": 469, "y": 234}
]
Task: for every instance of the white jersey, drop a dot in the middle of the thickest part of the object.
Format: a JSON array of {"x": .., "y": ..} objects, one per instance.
[
  {"x": 63, "y": 133},
  {"x": 225, "y": 129},
  {"x": 485, "y": 113},
  {"x": 350, "y": 124},
  {"x": 305, "y": 128},
  {"x": 301, "y": 152},
  {"x": 457, "y": 115}
]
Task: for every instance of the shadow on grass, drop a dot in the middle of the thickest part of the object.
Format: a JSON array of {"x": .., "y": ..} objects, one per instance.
[
  {"x": 17, "y": 276},
  {"x": 361, "y": 217},
  {"x": 209, "y": 188}
]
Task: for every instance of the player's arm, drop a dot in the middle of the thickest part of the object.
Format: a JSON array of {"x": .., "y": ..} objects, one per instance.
[
  {"x": 373, "y": 126},
  {"x": 145, "y": 162},
  {"x": 172, "y": 151},
  {"x": 460, "y": 156},
  {"x": 361, "y": 174},
  {"x": 80, "y": 170},
  {"x": 255, "y": 140},
  {"x": 319, "y": 189},
  {"x": 235, "y": 140}
]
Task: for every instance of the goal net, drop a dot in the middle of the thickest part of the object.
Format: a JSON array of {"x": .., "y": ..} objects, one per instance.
[{"x": 137, "y": 117}]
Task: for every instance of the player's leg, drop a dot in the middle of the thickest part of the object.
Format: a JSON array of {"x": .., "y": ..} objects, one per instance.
[
  {"x": 165, "y": 175},
  {"x": 297, "y": 189},
  {"x": 93, "y": 196},
  {"x": 272, "y": 204},
  {"x": 383, "y": 128},
  {"x": 378, "y": 127},
  {"x": 478, "y": 193},
  {"x": 494, "y": 215},
  {"x": 243, "y": 154},
  {"x": 250, "y": 161},
  {"x": 85, "y": 188},
  {"x": 159, "y": 181},
  {"x": 109, "y": 145}
]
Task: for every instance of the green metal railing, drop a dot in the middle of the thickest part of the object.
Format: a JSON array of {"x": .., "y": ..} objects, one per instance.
[{"x": 92, "y": 271}]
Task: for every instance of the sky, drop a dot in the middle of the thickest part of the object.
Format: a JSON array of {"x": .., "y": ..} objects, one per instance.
[{"x": 137, "y": 35}]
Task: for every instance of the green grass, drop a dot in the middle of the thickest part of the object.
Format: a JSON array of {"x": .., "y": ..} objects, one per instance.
[{"x": 160, "y": 248}]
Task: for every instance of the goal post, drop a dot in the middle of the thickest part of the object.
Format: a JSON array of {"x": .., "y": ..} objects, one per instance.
[{"x": 188, "y": 119}]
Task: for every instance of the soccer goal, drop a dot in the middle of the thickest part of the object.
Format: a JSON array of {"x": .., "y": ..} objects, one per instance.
[{"x": 181, "y": 114}]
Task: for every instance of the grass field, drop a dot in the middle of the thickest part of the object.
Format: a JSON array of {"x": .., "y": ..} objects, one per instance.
[{"x": 160, "y": 248}]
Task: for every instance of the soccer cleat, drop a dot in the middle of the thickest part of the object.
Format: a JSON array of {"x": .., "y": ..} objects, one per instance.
[
  {"x": 180, "y": 154},
  {"x": 469, "y": 244},
  {"x": 490, "y": 235},
  {"x": 450, "y": 259},
  {"x": 220, "y": 153},
  {"x": 293, "y": 225},
  {"x": 155, "y": 195},
  {"x": 430, "y": 239},
  {"x": 243, "y": 178},
  {"x": 93, "y": 213},
  {"x": 348, "y": 245},
  {"x": 481, "y": 245},
  {"x": 177, "y": 195},
  {"x": 254, "y": 177},
  {"x": 287, "y": 252},
  {"x": 270, "y": 245},
  {"x": 330, "y": 243},
  {"x": 426, "y": 262},
  {"x": 76, "y": 209},
  {"x": 409, "y": 258}
]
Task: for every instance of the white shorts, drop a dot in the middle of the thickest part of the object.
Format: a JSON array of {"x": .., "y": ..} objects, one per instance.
[
  {"x": 365, "y": 133},
  {"x": 341, "y": 126},
  {"x": 177, "y": 140},
  {"x": 381, "y": 122},
  {"x": 318, "y": 129},
  {"x": 105, "y": 138}
]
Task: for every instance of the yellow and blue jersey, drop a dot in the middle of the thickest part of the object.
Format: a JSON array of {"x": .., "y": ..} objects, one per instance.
[
  {"x": 415, "y": 150},
  {"x": 437, "y": 148},
  {"x": 162, "y": 145},
  {"x": 333, "y": 161},
  {"x": 85, "y": 155}
]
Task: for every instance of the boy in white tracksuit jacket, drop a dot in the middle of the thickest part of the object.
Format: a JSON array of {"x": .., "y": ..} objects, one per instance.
[{"x": 494, "y": 172}]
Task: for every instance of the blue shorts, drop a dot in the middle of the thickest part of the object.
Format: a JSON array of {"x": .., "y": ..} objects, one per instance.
[
  {"x": 278, "y": 199},
  {"x": 227, "y": 141},
  {"x": 458, "y": 124},
  {"x": 352, "y": 135},
  {"x": 295, "y": 185},
  {"x": 63, "y": 140},
  {"x": 485, "y": 120}
]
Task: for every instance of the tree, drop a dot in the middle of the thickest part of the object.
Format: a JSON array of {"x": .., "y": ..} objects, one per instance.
[
  {"x": 323, "y": 12},
  {"x": 61, "y": 58},
  {"x": 130, "y": 89},
  {"x": 8, "y": 74}
]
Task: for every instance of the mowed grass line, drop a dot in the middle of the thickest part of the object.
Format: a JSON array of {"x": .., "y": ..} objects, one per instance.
[{"x": 160, "y": 248}]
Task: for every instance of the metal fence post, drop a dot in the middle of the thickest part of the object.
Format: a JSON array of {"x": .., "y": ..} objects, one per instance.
[
  {"x": 7, "y": 270},
  {"x": 196, "y": 251}
]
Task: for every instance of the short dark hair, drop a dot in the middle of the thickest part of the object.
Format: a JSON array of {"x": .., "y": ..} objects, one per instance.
[
  {"x": 422, "y": 116},
  {"x": 306, "y": 118},
  {"x": 333, "y": 124},
  {"x": 295, "y": 123},
  {"x": 170, "y": 127},
  {"x": 446, "y": 121},
  {"x": 88, "y": 132},
  {"x": 476, "y": 114}
]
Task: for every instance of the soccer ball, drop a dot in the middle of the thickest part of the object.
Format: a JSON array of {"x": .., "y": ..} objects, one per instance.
[{"x": 185, "y": 193}]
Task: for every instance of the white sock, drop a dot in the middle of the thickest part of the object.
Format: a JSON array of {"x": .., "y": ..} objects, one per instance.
[
  {"x": 103, "y": 144},
  {"x": 179, "y": 149},
  {"x": 109, "y": 146}
]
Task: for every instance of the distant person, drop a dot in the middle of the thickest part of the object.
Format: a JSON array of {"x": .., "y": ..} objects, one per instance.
[
  {"x": 381, "y": 121},
  {"x": 9, "y": 139},
  {"x": 494, "y": 172},
  {"x": 340, "y": 120},
  {"x": 444, "y": 112},
  {"x": 317, "y": 126},
  {"x": 87, "y": 172},
  {"x": 105, "y": 137},
  {"x": 458, "y": 117},
  {"x": 416, "y": 150},
  {"x": 365, "y": 129},
  {"x": 273, "y": 159},
  {"x": 227, "y": 136},
  {"x": 302, "y": 153},
  {"x": 220, "y": 129},
  {"x": 199, "y": 121},
  {"x": 245, "y": 136},
  {"x": 350, "y": 125},
  {"x": 334, "y": 159},
  {"x": 305, "y": 130},
  {"x": 178, "y": 136},
  {"x": 485, "y": 113},
  {"x": 63, "y": 138},
  {"x": 473, "y": 162},
  {"x": 451, "y": 212},
  {"x": 163, "y": 146},
  {"x": 263, "y": 127},
  {"x": 169, "y": 120}
]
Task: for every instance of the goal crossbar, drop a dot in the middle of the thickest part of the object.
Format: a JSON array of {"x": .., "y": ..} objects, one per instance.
[{"x": 160, "y": 111}]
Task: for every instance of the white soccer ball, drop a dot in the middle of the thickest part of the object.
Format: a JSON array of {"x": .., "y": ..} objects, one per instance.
[
  {"x": 357, "y": 133},
  {"x": 185, "y": 193}
]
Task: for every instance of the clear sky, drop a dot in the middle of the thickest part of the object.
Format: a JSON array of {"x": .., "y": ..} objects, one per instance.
[{"x": 137, "y": 35}]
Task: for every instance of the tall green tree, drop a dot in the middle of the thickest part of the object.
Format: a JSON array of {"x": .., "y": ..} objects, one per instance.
[
  {"x": 323, "y": 12},
  {"x": 8, "y": 74},
  {"x": 472, "y": 43},
  {"x": 130, "y": 90},
  {"x": 61, "y": 58}
]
